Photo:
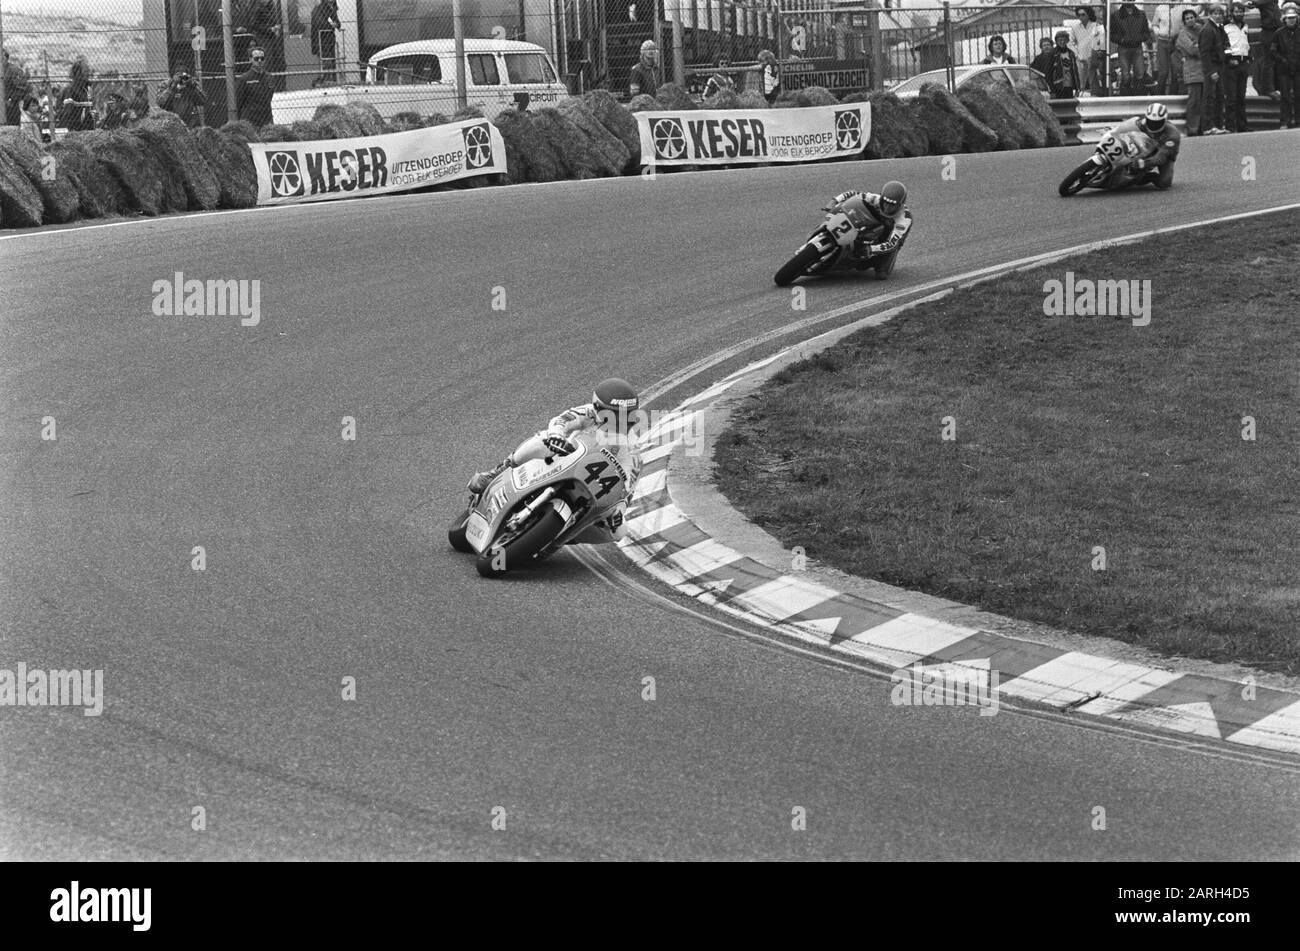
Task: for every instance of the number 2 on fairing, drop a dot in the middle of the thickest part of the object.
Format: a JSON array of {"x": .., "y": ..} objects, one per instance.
[
  {"x": 594, "y": 469},
  {"x": 843, "y": 226}
]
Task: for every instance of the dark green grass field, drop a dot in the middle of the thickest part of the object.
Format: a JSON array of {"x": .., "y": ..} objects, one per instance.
[{"x": 1073, "y": 435}]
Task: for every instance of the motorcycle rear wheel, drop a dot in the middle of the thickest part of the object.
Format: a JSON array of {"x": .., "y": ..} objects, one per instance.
[
  {"x": 1078, "y": 179},
  {"x": 797, "y": 265},
  {"x": 522, "y": 549}
]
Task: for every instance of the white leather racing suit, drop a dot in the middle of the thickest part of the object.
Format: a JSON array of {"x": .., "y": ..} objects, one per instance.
[
  {"x": 900, "y": 223},
  {"x": 586, "y": 418}
]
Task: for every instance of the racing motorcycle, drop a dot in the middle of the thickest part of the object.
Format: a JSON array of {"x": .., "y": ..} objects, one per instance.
[
  {"x": 534, "y": 509},
  {"x": 1113, "y": 165},
  {"x": 830, "y": 247}
]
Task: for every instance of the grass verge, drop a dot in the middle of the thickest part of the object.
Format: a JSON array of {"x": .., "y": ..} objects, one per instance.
[{"x": 1073, "y": 435}]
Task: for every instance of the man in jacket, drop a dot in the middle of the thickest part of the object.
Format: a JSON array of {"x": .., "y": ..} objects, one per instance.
[
  {"x": 1270, "y": 20},
  {"x": 184, "y": 97},
  {"x": 643, "y": 79},
  {"x": 17, "y": 88},
  {"x": 1286, "y": 58},
  {"x": 1088, "y": 42},
  {"x": 253, "y": 90},
  {"x": 1130, "y": 29},
  {"x": 1236, "y": 70},
  {"x": 1212, "y": 43},
  {"x": 1189, "y": 55}
]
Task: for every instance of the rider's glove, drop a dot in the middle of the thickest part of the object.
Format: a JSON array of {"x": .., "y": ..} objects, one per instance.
[
  {"x": 556, "y": 442},
  {"x": 876, "y": 249},
  {"x": 614, "y": 519},
  {"x": 1140, "y": 164}
]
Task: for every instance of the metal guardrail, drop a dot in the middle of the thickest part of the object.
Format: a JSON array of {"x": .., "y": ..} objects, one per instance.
[{"x": 1085, "y": 120}]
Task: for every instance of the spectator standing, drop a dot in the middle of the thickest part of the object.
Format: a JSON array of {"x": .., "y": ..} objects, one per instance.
[
  {"x": 75, "y": 112},
  {"x": 720, "y": 80},
  {"x": 997, "y": 52},
  {"x": 1286, "y": 57},
  {"x": 1270, "y": 21},
  {"x": 1088, "y": 43},
  {"x": 1043, "y": 61},
  {"x": 29, "y": 119},
  {"x": 644, "y": 79},
  {"x": 17, "y": 89},
  {"x": 1063, "y": 71},
  {"x": 253, "y": 90},
  {"x": 1130, "y": 30},
  {"x": 1236, "y": 70},
  {"x": 1213, "y": 44},
  {"x": 771, "y": 74},
  {"x": 184, "y": 97},
  {"x": 1189, "y": 56},
  {"x": 1164, "y": 27},
  {"x": 325, "y": 25}
]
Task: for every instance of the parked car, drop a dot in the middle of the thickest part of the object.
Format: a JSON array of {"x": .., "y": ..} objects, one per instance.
[
  {"x": 987, "y": 76},
  {"x": 420, "y": 77}
]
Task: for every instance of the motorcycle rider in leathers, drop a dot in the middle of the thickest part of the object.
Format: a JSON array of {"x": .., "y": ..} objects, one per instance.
[
  {"x": 613, "y": 411},
  {"x": 888, "y": 209},
  {"x": 1156, "y": 125}
]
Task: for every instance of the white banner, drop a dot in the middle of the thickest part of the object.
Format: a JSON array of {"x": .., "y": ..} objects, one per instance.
[
  {"x": 291, "y": 172},
  {"x": 748, "y": 136}
]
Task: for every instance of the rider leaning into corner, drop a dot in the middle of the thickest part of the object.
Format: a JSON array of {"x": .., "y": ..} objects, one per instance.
[
  {"x": 888, "y": 208},
  {"x": 613, "y": 411},
  {"x": 1159, "y": 166}
]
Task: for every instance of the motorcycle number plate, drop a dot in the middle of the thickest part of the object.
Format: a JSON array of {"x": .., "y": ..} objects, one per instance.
[{"x": 476, "y": 531}]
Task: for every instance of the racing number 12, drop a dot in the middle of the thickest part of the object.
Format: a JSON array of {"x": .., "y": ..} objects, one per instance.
[{"x": 594, "y": 469}]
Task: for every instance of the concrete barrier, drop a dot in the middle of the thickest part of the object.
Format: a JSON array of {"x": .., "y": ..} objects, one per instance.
[{"x": 1085, "y": 120}]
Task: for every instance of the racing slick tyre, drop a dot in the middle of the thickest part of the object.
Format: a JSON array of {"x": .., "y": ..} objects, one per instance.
[
  {"x": 523, "y": 548},
  {"x": 796, "y": 266},
  {"x": 1078, "y": 179},
  {"x": 456, "y": 533}
]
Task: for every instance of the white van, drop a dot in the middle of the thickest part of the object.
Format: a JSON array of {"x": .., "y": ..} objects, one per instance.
[{"x": 420, "y": 77}]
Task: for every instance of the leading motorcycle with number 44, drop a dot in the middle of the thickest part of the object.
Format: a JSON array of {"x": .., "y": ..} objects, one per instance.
[{"x": 534, "y": 509}]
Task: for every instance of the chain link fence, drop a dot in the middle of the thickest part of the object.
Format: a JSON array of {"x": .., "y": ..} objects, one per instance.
[{"x": 79, "y": 63}]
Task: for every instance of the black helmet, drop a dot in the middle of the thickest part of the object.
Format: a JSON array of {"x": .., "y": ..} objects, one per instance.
[
  {"x": 893, "y": 197},
  {"x": 614, "y": 399}
]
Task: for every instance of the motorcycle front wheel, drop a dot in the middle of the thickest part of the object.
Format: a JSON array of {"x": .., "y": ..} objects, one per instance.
[
  {"x": 522, "y": 549},
  {"x": 1077, "y": 180},
  {"x": 456, "y": 533},
  {"x": 795, "y": 267}
]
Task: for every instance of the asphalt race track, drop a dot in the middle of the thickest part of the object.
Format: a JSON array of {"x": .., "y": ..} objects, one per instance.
[{"x": 326, "y": 558}]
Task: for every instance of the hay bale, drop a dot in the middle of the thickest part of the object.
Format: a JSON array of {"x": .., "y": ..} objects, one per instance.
[
  {"x": 789, "y": 99},
  {"x": 576, "y": 158},
  {"x": 367, "y": 117},
  {"x": 274, "y": 132},
  {"x": 436, "y": 119},
  {"x": 243, "y": 130},
  {"x": 1040, "y": 107},
  {"x": 134, "y": 166},
  {"x": 613, "y": 153},
  {"x": 643, "y": 103},
  {"x": 232, "y": 163},
  {"x": 992, "y": 113},
  {"x": 171, "y": 175},
  {"x": 617, "y": 118},
  {"x": 674, "y": 97},
  {"x": 894, "y": 131},
  {"x": 815, "y": 96},
  {"x": 21, "y": 205},
  {"x": 975, "y": 135},
  {"x": 538, "y": 161},
  {"x": 408, "y": 120},
  {"x": 941, "y": 128},
  {"x": 722, "y": 99},
  {"x": 516, "y": 164},
  {"x": 59, "y": 198},
  {"x": 304, "y": 130},
  {"x": 201, "y": 186},
  {"x": 752, "y": 99},
  {"x": 338, "y": 120},
  {"x": 469, "y": 112},
  {"x": 98, "y": 192}
]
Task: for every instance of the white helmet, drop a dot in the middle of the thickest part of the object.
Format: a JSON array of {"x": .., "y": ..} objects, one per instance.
[{"x": 1155, "y": 117}]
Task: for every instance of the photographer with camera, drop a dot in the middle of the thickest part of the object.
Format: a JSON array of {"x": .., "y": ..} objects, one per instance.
[{"x": 184, "y": 96}]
